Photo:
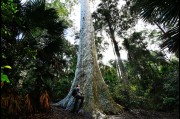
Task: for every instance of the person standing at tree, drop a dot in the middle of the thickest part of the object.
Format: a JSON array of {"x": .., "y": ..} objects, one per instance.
[{"x": 78, "y": 96}]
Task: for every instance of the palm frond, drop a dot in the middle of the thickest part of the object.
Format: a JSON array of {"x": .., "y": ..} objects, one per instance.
[
  {"x": 171, "y": 38},
  {"x": 164, "y": 12},
  {"x": 12, "y": 103}
]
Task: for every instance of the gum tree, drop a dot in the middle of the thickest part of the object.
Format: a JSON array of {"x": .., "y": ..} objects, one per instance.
[{"x": 97, "y": 99}]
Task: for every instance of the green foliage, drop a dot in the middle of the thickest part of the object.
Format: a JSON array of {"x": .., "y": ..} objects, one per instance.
[
  {"x": 154, "y": 79},
  {"x": 60, "y": 7},
  {"x": 171, "y": 87},
  {"x": 109, "y": 74},
  {"x": 61, "y": 89},
  {"x": 4, "y": 78}
]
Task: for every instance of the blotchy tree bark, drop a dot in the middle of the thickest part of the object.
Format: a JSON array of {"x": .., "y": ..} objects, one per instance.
[{"x": 97, "y": 99}]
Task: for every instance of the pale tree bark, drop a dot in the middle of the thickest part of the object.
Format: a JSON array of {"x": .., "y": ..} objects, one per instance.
[
  {"x": 97, "y": 99},
  {"x": 119, "y": 60}
]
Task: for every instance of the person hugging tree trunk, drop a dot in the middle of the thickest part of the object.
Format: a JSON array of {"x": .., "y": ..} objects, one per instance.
[{"x": 78, "y": 96}]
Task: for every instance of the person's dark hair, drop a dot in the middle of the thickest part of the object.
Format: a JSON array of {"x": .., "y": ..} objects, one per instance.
[{"x": 77, "y": 85}]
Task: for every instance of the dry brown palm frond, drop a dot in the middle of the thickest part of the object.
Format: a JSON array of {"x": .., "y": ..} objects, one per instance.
[
  {"x": 4, "y": 101},
  {"x": 28, "y": 104},
  {"x": 44, "y": 100},
  {"x": 15, "y": 104}
]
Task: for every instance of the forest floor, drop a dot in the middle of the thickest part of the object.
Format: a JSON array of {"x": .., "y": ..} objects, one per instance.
[{"x": 59, "y": 113}]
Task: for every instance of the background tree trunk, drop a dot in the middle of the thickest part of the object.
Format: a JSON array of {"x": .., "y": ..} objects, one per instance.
[
  {"x": 119, "y": 60},
  {"x": 97, "y": 99}
]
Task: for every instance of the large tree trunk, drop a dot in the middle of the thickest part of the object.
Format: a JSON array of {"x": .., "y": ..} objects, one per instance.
[{"x": 97, "y": 99}]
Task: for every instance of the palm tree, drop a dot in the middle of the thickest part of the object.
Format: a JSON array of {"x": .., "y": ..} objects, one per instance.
[
  {"x": 165, "y": 13},
  {"x": 25, "y": 28},
  {"x": 44, "y": 29}
]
